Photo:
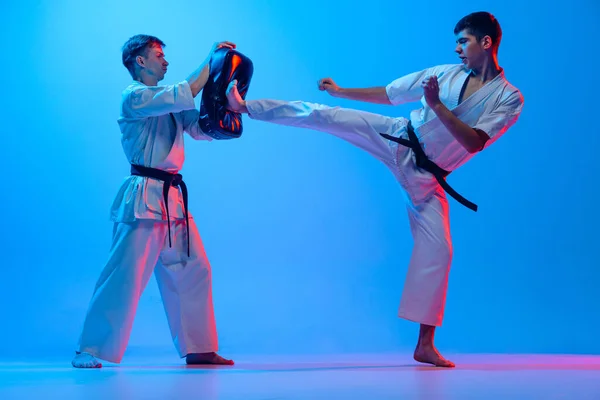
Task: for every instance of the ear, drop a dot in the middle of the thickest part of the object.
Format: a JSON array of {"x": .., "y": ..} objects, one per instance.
[
  {"x": 140, "y": 61},
  {"x": 486, "y": 42}
]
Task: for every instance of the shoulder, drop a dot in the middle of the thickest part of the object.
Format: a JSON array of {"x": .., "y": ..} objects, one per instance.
[
  {"x": 133, "y": 89},
  {"x": 510, "y": 96}
]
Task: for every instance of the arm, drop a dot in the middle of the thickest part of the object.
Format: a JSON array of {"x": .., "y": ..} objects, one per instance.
[
  {"x": 141, "y": 101},
  {"x": 191, "y": 125},
  {"x": 199, "y": 77},
  {"x": 376, "y": 95},
  {"x": 489, "y": 126},
  {"x": 402, "y": 90},
  {"x": 473, "y": 140}
]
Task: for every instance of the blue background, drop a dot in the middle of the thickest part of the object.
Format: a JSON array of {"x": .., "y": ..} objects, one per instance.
[{"x": 307, "y": 235}]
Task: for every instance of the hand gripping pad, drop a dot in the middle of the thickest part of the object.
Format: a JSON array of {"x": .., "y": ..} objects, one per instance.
[{"x": 215, "y": 119}]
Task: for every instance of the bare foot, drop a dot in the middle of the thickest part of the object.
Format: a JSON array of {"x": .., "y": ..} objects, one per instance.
[
  {"x": 206, "y": 358},
  {"x": 235, "y": 102},
  {"x": 85, "y": 360},
  {"x": 430, "y": 355}
]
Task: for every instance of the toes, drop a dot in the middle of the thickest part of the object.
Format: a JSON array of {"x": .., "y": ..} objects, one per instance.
[
  {"x": 442, "y": 362},
  {"x": 434, "y": 359},
  {"x": 217, "y": 359},
  {"x": 85, "y": 361},
  {"x": 213, "y": 359},
  {"x": 224, "y": 361},
  {"x": 89, "y": 364}
]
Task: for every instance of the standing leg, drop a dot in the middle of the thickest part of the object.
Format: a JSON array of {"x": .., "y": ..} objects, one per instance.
[
  {"x": 424, "y": 294},
  {"x": 107, "y": 326},
  {"x": 185, "y": 285}
]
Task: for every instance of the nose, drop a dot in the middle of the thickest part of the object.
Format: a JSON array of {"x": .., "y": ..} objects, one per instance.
[
  {"x": 165, "y": 63},
  {"x": 458, "y": 49}
]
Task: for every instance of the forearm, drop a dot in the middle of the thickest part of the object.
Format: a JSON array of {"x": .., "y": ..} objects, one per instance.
[
  {"x": 199, "y": 77},
  {"x": 468, "y": 137},
  {"x": 370, "y": 95}
]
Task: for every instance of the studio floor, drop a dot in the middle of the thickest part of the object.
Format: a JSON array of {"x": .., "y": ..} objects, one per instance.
[{"x": 360, "y": 376}]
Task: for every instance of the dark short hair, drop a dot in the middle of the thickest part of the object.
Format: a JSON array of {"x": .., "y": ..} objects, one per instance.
[
  {"x": 135, "y": 46},
  {"x": 481, "y": 24}
]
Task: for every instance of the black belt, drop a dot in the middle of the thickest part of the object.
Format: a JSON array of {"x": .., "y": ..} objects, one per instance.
[
  {"x": 425, "y": 163},
  {"x": 169, "y": 180}
]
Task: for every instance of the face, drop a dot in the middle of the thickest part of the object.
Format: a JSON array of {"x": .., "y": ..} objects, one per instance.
[
  {"x": 154, "y": 63},
  {"x": 471, "y": 51}
]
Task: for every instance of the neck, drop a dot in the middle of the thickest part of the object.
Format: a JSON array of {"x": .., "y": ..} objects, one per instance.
[
  {"x": 488, "y": 70},
  {"x": 147, "y": 80}
]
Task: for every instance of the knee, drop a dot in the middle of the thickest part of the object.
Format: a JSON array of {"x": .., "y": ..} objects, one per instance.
[
  {"x": 446, "y": 253},
  {"x": 443, "y": 250},
  {"x": 207, "y": 269},
  {"x": 322, "y": 113},
  {"x": 442, "y": 254},
  {"x": 193, "y": 273},
  {"x": 201, "y": 264},
  {"x": 437, "y": 252}
]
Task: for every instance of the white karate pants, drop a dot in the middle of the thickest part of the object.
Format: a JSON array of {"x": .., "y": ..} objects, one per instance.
[{"x": 139, "y": 249}]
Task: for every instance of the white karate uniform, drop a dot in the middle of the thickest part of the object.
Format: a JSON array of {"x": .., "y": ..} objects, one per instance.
[
  {"x": 493, "y": 109},
  {"x": 152, "y": 122}
]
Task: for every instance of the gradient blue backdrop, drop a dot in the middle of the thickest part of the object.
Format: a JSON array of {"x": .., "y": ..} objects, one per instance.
[{"x": 307, "y": 235}]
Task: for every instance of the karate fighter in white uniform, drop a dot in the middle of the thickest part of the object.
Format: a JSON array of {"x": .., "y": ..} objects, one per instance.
[
  {"x": 464, "y": 109},
  {"x": 152, "y": 121}
]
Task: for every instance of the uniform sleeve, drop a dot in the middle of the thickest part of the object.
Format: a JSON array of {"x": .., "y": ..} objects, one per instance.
[
  {"x": 407, "y": 89},
  {"x": 501, "y": 118},
  {"x": 152, "y": 101},
  {"x": 191, "y": 125}
]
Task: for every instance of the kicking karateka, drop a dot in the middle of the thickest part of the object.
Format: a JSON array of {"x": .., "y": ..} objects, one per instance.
[{"x": 464, "y": 109}]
